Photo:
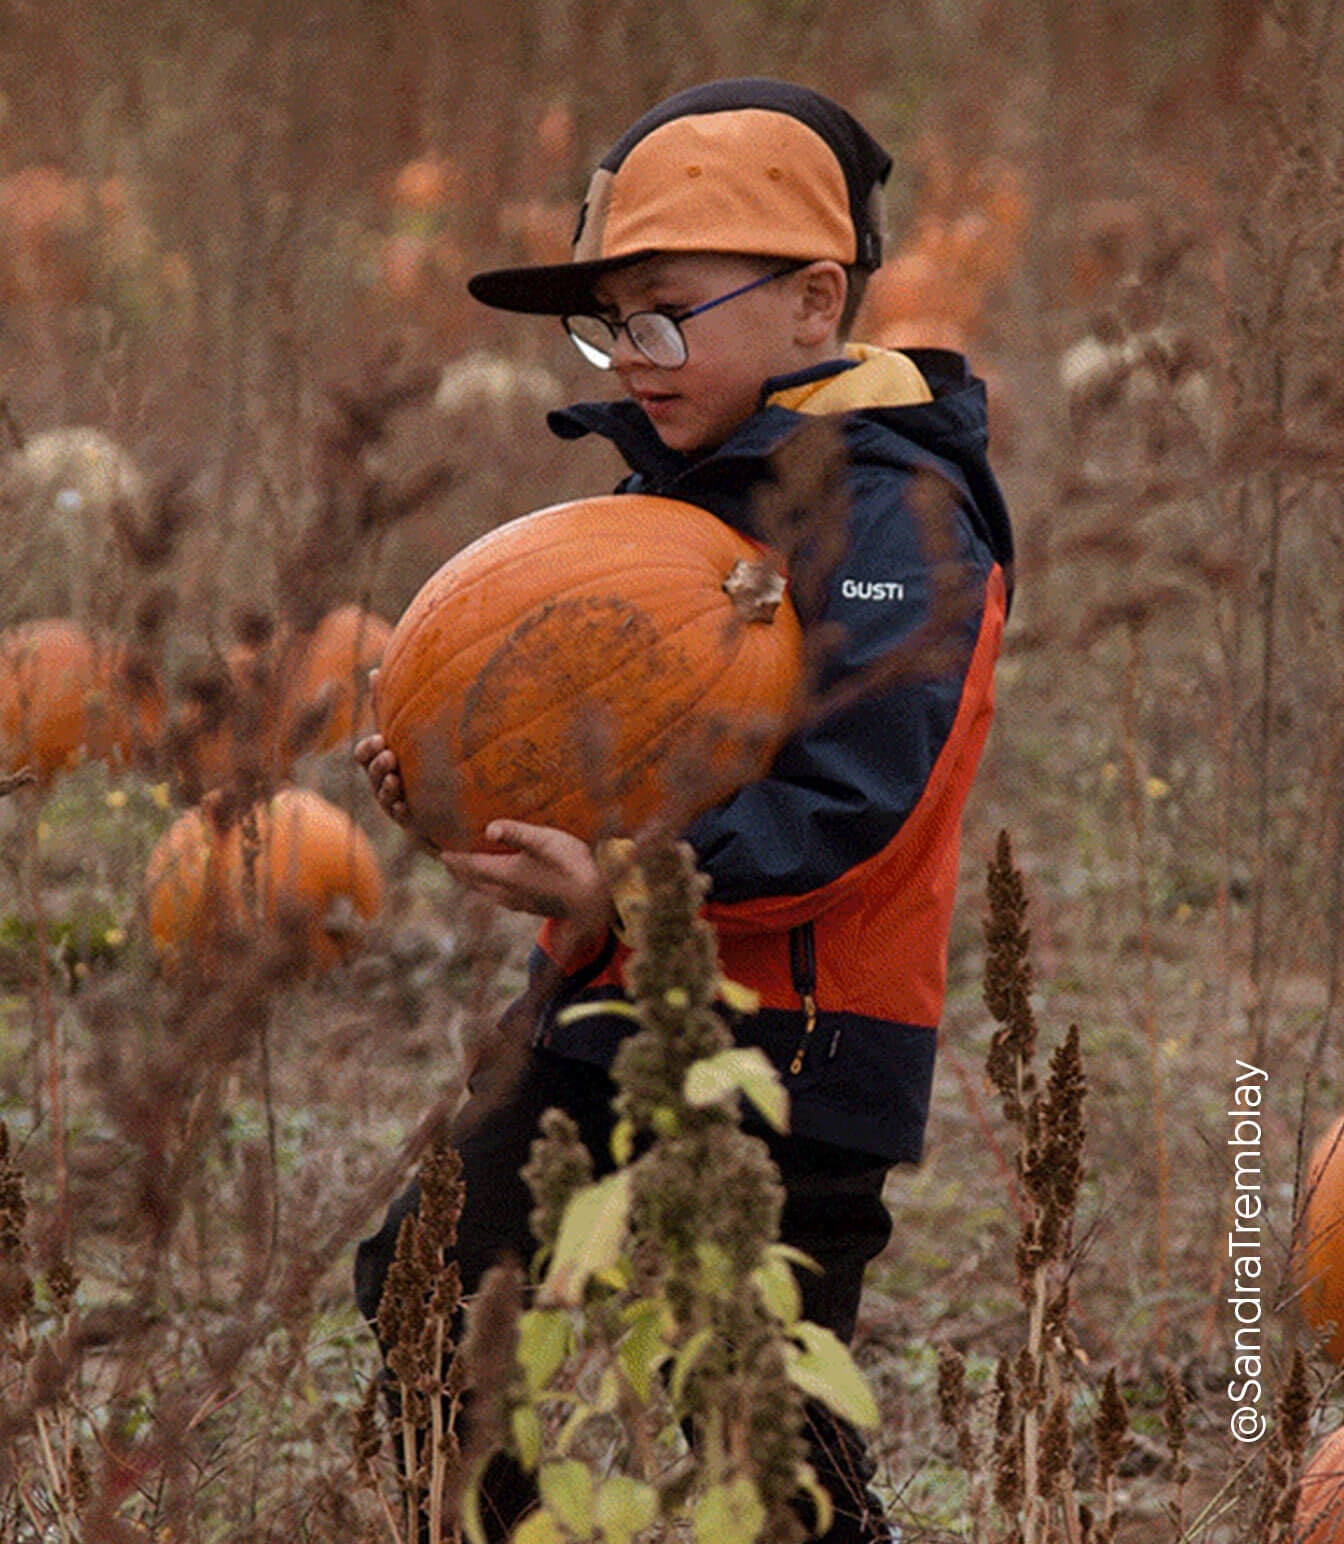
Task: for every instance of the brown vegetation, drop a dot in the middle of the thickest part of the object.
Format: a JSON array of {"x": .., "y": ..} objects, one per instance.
[{"x": 231, "y": 244}]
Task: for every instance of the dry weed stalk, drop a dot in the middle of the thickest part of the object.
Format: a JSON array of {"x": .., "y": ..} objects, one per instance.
[
  {"x": 1033, "y": 1456},
  {"x": 415, "y": 1322}
]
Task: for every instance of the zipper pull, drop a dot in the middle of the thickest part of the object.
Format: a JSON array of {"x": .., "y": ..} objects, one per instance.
[
  {"x": 803, "y": 967},
  {"x": 809, "y": 1024}
]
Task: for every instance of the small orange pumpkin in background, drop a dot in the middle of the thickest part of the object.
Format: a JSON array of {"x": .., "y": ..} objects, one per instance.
[
  {"x": 65, "y": 698},
  {"x": 328, "y": 680},
  {"x": 1319, "y": 1518},
  {"x": 298, "y": 863},
  {"x": 588, "y": 666},
  {"x": 1319, "y": 1242}
]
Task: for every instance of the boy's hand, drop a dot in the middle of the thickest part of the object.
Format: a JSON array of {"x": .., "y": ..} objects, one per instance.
[
  {"x": 373, "y": 754},
  {"x": 547, "y": 873}
]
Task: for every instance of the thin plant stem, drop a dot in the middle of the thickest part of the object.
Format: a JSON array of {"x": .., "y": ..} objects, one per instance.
[
  {"x": 1156, "y": 1079},
  {"x": 48, "y": 1021}
]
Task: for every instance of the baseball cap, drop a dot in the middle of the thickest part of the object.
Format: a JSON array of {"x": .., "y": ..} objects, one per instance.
[{"x": 752, "y": 166}]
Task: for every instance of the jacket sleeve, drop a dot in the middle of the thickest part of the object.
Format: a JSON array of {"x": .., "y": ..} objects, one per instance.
[{"x": 840, "y": 789}]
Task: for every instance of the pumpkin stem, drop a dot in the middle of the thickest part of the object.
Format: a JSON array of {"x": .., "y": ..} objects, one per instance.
[{"x": 756, "y": 589}]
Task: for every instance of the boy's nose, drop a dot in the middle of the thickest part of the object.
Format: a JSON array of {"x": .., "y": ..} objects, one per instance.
[{"x": 624, "y": 354}]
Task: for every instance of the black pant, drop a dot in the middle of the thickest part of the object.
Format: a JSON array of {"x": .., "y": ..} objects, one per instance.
[{"x": 833, "y": 1211}]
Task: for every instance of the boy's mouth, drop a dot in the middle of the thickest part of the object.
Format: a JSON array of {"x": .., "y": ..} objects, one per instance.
[{"x": 654, "y": 402}]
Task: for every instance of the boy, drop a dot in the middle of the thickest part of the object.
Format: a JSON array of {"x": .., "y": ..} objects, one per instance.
[{"x": 717, "y": 265}]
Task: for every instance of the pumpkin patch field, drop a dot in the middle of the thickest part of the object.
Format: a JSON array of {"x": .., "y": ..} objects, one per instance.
[{"x": 270, "y": 481}]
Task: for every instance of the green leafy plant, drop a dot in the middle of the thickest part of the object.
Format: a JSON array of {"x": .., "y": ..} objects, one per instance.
[{"x": 661, "y": 1372}]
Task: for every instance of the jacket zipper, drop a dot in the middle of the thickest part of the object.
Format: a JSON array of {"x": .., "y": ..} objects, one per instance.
[{"x": 803, "y": 965}]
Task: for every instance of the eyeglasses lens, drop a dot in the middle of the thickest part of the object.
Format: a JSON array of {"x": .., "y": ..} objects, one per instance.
[
  {"x": 656, "y": 336},
  {"x": 593, "y": 338}
]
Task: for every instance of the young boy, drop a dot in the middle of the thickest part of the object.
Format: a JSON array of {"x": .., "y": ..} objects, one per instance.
[{"x": 717, "y": 264}]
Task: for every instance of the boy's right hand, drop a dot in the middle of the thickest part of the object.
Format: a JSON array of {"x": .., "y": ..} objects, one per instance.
[{"x": 380, "y": 763}]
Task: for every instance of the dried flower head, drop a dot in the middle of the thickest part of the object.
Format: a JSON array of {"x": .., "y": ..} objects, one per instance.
[
  {"x": 558, "y": 1166},
  {"x": 367, "y": 1434},
  {"x": 1110, "y": 1427},
  {"x": 1007, "y": 1440},
  {"x": 1008, "y": 982},
  {"x": 1056, "y": 1455},
  {"x": 441, "y": 1194}
]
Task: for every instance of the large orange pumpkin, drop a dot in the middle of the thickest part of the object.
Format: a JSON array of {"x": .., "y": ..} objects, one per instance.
[
  {"x": 327, "y": 683},
  {"x": 1320, "y": 1502},
  {"x": 1319, "y": 1242},
  {"x": 65, "y": 698},
  {"x": 296, "y": 866},
  {"x": 588, "y": 666}
]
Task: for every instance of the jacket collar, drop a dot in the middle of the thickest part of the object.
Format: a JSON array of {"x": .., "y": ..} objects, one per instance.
[{"x": 625, "y": 424}]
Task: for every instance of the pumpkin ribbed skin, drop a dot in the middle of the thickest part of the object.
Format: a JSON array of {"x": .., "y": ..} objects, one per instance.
[
  {"x": 1320, "y": 1503},
  {"x": 1319, "y": 1244},
  {"x": 583, "y": 667},
  {"x": 65, "y": 698},
  {"x": 204, "y": 882}
]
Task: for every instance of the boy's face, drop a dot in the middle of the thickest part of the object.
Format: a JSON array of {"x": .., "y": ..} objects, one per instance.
[{"x": 731, "y": 350}]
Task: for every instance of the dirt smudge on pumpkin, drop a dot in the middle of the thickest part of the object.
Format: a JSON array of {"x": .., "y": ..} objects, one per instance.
[{"x": 580, "y": 660}]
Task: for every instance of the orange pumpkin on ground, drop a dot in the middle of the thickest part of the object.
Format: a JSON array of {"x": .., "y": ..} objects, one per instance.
[
  {"x": 589, "y": 666},
  {"x": 1319, "y": 1244},
  {"x": 66, "y": 698},
  {"x": 1319, "y": 1518},
  {"x": 298, "y": 863},
  {"x": 326, "y": 688}
]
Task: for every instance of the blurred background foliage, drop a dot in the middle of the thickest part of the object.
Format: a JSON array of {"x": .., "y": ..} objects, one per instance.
[{"x": 234, "y": 239}]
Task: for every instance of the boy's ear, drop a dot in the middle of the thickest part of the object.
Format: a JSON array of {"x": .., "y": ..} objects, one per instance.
[{"x": 821, "y": 301}]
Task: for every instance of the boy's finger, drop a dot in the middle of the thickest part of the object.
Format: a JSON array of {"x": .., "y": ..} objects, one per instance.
[{"x": 522, "y": 836}]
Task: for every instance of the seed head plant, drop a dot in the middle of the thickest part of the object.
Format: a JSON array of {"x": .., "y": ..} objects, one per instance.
[{"x": 662, "y": 1371}]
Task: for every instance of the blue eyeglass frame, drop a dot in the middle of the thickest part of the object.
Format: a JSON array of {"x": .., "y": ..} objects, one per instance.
[{"x": 588, "y": 350}]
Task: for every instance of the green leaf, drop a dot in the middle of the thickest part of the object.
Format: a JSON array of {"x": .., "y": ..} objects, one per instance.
[
  {"x": 625, "y": 1507},
  {"x": 539, "y": 1528},
  {"x": 592, "y": 1231},
  {"x": 794, "y": 1256},
  {"x": 643, "y": 1348},
  {"x": 567, "y": 1490},
  {"x": 525, "y": 1425},
  {"x": 575, "y": 1422},
  {"x": 545, "y": 1337},
  {"x": 730, "y": 1514},
  {"x": 716, "y": 1269},
  {"x": 685, "y": 1362},
  {"x": 744, "y": 1070},
  {"x": 741, "y": 999},
  {"x": 777, "y": 1287},
  {"x": 472, "y": 1525},
  {"x": 608, "y": 1392},
  {"x": 820, "y": 1365},
  {"x": 812, "y": 1487},
  {"x": 623, "y": 1142}
]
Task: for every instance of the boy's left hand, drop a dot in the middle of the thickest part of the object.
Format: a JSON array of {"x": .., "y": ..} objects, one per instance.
[{"x": 547, "y": 873}]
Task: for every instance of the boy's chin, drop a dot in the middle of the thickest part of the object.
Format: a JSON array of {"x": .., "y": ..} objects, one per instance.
[{"x": 690, "y": 439}]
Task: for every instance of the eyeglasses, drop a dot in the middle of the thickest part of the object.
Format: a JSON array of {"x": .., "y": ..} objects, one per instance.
[{"x": 656, "y": 334}]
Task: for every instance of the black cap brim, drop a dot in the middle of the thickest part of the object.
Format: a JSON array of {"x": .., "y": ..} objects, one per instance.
[{"x": 561, "y": 289}]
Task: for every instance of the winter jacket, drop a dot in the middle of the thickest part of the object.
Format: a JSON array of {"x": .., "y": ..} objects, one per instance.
[{"x": 833, "y": 876}]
